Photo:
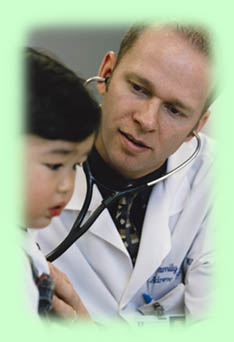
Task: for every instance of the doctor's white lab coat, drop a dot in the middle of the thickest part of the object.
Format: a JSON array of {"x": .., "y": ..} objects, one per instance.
[{"x": 174, "y": 262}]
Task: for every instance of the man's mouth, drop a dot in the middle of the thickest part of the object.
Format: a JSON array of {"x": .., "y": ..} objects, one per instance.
[{"x": 134, "y": 140}]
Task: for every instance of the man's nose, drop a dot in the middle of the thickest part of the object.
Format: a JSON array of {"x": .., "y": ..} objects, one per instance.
[{"x": 147, "y": 115}]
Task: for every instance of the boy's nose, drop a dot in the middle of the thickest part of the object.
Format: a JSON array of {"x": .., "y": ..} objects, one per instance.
[{"x": 66, "y": 184}]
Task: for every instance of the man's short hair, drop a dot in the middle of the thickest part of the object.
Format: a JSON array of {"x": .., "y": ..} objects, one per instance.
[{"x": 197, "y": 35}]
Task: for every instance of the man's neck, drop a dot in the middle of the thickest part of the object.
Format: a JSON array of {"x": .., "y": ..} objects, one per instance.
[{"x": 111, "y": 178}]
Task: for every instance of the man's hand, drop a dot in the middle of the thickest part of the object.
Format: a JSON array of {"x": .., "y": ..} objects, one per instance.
[{"x": 66, "y": 302}]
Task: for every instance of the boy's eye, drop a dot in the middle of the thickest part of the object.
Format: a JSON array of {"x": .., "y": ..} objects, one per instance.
[{"x": 53, "y": 167}]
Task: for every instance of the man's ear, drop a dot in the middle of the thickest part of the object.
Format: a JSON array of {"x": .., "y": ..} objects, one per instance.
[
  {"x": 200, "y": 124},
  {"x": 105, "y": 70}
]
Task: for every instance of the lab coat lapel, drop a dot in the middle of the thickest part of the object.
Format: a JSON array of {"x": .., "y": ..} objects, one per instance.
[
  {"x": 156, "y": 236},
  {"x": 155, "y": 242},
  {"x": 178, "y": 185},
  {"x": 104, "y": 227}
]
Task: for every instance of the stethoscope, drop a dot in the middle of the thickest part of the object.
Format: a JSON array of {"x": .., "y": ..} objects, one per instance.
[{"x": 78, "y": 229}]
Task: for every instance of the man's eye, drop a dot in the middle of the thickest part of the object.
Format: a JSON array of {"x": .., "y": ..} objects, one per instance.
[
  {"x": 172, "y": 109},
  {"x": 53, "y": 167},
  {"x": 139, "y": 89}
]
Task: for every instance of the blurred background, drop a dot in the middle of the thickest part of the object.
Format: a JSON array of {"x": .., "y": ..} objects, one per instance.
[{"x": 82, "y": 50}]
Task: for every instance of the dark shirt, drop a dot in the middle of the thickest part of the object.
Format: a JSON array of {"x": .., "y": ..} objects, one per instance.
[{"x": 107, "y": 176}]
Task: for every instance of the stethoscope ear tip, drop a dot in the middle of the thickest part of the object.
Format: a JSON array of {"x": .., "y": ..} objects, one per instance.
[{"x": 94, "y": 79}]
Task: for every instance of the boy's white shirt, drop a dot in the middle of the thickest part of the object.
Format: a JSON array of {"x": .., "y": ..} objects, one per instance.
[{"x": 31, "y": 249}]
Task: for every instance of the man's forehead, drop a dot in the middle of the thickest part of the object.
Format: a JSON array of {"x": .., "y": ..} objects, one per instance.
[
  {"x": 157, "y": 36},
  {"x": 171, "y": 65},
  {"x": 173, "y": 36},
  {"x": 165, "y": 41}
]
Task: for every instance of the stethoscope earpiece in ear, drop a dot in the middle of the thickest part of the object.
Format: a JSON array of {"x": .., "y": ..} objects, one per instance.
[
  {"x": 94, "y": 79},
  {"x": 97, "y": 79},
  {"x": 107, "y": 80}
]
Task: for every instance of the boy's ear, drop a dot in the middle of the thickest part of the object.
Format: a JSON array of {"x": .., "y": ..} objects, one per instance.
[
  {"x": 105, "y": 70},
  {"x": 199, "y": 125}
]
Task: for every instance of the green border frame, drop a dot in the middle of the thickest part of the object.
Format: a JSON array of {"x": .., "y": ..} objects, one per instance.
[{"x": 17, "y": 19}]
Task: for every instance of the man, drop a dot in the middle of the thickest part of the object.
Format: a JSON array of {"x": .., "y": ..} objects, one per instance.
[{"x": 158, "y": 260}]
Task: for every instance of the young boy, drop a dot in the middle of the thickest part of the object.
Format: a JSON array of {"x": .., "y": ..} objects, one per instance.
[{"x": 61, "y": 124}]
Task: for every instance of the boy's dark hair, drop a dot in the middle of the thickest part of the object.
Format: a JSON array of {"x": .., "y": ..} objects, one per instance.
[{"x": 58, "y": 106}]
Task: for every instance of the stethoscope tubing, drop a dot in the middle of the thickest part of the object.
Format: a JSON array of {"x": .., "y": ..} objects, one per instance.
[{"x": 77, "y": 229}]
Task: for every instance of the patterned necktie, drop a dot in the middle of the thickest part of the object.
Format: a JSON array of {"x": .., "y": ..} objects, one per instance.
[{"x": 126, "y": 228}]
